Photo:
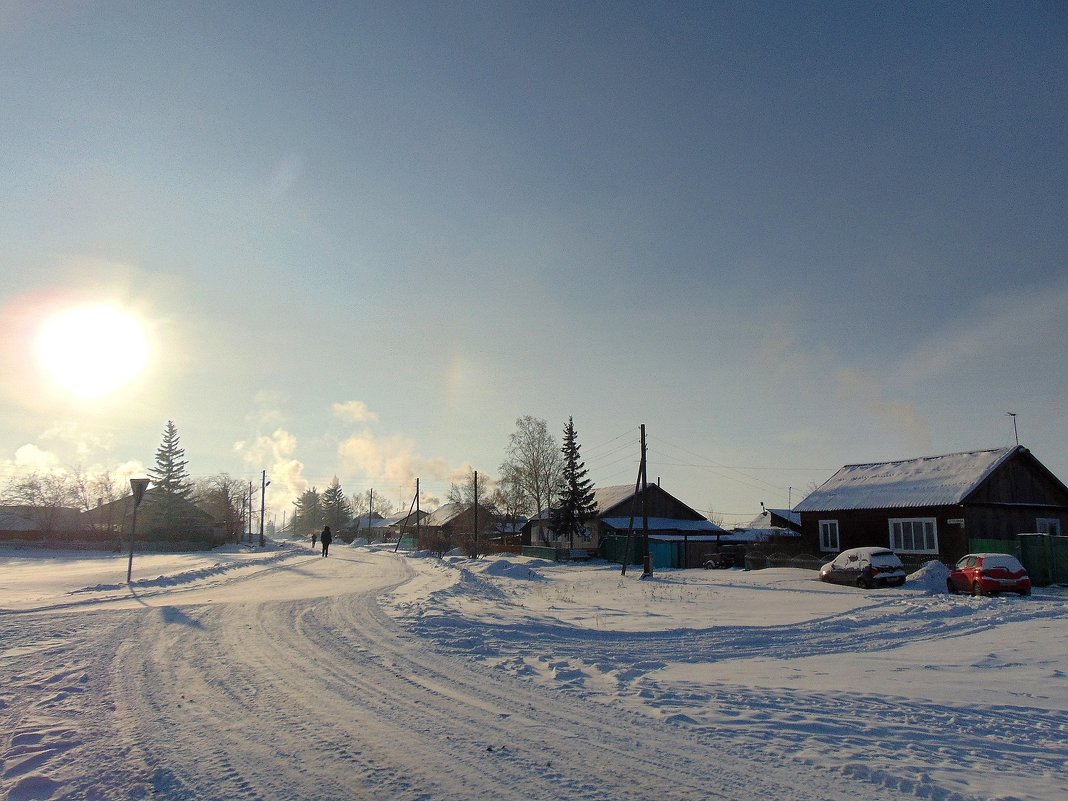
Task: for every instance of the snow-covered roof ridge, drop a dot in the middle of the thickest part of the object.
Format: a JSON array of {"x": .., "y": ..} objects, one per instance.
[{"x": 925, "y": 481}]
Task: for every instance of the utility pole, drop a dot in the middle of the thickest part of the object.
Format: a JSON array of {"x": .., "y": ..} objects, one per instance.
[
  {"x": 250, "y": 513},
  {"x": 476, "y": 511},
  {"x": 263, "y": 497},
  {"x": 1014, "y": 431},
  {"x": 370, "y": 506},
  {"x": 648, "y": 560},
  {"x": 404, "y": 526}
]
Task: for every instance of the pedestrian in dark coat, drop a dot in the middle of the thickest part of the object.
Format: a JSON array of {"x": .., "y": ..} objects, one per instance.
[
  {"x": 326, "y": 537},
  {"x": 314, "y": 535}
]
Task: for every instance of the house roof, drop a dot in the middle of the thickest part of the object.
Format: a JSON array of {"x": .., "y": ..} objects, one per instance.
[
  {"x": 763, "y": 520},
  {"x": 928, "y": 481},
  {"x": 443, "y": 514},
  {"x": 607, "y": 497},
  {"x": 664, "y": 524},
  {"x": 11, "y": 520}
]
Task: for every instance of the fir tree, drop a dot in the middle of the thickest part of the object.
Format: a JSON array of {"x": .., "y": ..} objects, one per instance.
[
  {"x": 337, "y": 511},
  {"x": 170, "y": 502},
  {"x": 308, "y": 512},
  {"x": 576, "y": 502}
]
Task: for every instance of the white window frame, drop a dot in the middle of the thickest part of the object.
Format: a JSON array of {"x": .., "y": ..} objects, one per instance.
[
  {"x": 904, "y": 536},
  {"x": 1048, "y": 525},
  {"x": 827, "y": 529}
]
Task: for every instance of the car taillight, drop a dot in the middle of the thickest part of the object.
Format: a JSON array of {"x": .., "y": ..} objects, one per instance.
[{"x": 874, "y": 570}]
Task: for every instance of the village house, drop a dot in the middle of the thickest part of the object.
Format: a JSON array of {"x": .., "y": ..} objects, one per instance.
[
  {"x": 679, "y": 535},
  {"x": 935, "y": 507}
]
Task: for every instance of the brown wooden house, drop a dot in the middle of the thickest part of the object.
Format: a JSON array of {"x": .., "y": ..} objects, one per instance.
[
  {"x": 619, "y": 510},
  {"x": 455, "y": 523},
  {"x": 932, "y": 507}
]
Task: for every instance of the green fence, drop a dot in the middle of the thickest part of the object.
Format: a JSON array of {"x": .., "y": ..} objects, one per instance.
[
  {"x": 664, "y": 554},
  {"x": 1045, "y": 557},
  {"x": 545, "y": 552}
]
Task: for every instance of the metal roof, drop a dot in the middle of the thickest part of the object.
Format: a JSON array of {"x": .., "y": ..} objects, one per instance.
[
  {"x": 664, "y": 524},
  {"x": 928, "y": 481}
]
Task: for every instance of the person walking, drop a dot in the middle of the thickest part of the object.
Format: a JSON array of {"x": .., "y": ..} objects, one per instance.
[
  {"x": 326, "y": 538},
  {"x": 314, "y": 535}
]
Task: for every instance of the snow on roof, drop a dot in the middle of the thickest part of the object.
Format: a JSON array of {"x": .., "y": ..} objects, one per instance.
[
  {"x": 443, "y": 514},
  {"x": 927, "y": 481},
  {"x": 787, "y": 514},
  {"x": 664, "y": 524},
  {"x": 607, "y": 497},
  {"x": 763, "y": 520},
  {"x": 13, "y": 521}
]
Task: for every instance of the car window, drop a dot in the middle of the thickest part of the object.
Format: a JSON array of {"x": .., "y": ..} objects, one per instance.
[
  {"x": 1002, "y": 560},
  {"x": 885, "y": 560}
]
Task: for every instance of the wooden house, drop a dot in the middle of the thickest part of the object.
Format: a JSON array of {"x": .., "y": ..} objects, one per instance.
[
  {"x": 933, "y": 507},
  {"x": 455, "y": 522},
  {"x": 620, "y": 510}
]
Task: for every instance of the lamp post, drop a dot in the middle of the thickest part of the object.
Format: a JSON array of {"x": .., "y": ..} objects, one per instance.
[
  {"x": 1014, "y": 431},
  {"x": 137, "y": 487}
]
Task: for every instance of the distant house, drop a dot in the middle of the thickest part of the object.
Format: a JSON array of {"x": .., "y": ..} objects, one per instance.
[
  {"x": 935, "y": 506},
  {"x": 457, "y": 521},
  {"x": 53, "y": 525},
  {"x": 620, "y": 510},
  {"x": 771, "y": 525},
  {"x": 112, "y": 521},
  {"x": 382, "y": 528},
  {"x": 16, "y": 524}
]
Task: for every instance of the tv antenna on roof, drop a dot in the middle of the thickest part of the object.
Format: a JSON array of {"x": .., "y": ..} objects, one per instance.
[{"x": 1014, "y": 431}]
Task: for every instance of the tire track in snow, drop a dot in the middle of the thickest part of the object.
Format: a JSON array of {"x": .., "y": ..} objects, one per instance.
[
  {"x": 865, "y": 731},
  {"x": 328, "y": 699}
]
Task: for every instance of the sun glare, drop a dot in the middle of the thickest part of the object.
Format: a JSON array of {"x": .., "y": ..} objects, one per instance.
[{"x": 90, "y": 351}]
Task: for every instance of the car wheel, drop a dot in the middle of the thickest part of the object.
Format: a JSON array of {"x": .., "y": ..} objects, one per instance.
[
  {"x": 1025, "y": 592},
  {"x": 951, "y": 588},
  {"x": 977, "y": 589},
  {"x": 863, "y": 583}
]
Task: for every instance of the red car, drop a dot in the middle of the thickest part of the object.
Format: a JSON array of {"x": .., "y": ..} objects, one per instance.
[{"x": 989, "y": 574}]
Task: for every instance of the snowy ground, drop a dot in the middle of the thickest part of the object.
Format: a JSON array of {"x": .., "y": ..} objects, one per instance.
[{"x": 281, "y": 675}]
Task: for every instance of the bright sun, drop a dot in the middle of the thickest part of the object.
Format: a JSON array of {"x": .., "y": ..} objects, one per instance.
[{"x": 90, "y": 351}]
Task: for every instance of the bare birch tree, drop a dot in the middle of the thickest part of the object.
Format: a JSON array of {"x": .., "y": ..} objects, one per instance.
[{"x": 533, "y": 465}]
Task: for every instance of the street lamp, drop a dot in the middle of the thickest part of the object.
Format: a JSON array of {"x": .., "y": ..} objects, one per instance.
[
  {"x": 137, "y": 487},
  {"x": 1014, "y": 431}
]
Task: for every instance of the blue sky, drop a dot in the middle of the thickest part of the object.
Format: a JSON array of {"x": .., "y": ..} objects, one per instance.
[{"x": 362, "y": 239}]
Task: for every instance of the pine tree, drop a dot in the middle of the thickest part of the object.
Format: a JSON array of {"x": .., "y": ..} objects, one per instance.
[
  {"x": 576, "y": 501},
  {"x": 170, "y": 502},
  {"x": 308, "y": 512},
  {"x": 337, "y": 511}
]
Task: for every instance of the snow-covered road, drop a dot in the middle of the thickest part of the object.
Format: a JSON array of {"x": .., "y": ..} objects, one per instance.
[{"x": 292, "y": 682}]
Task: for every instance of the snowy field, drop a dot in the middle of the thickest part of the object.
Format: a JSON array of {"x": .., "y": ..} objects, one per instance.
[{"x": 281, "y": 675}]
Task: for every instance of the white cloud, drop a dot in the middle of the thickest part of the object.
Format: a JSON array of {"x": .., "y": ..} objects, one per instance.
[
  {"x": 389, "y": 459},
  {"x": 354, "y": 412},
  {"x": 275, "y": 454},
  {"x": 30, "y": 458}
]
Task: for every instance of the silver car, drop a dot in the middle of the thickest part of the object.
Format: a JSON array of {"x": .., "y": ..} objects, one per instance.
[{"x": 865, "y": 567}]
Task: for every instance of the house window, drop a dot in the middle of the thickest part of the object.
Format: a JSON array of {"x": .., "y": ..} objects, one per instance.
[
  {"x": 1049, "y": 525},
  {"x": 829, "y": 535},
  {"x": 914, "y": 535}
]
